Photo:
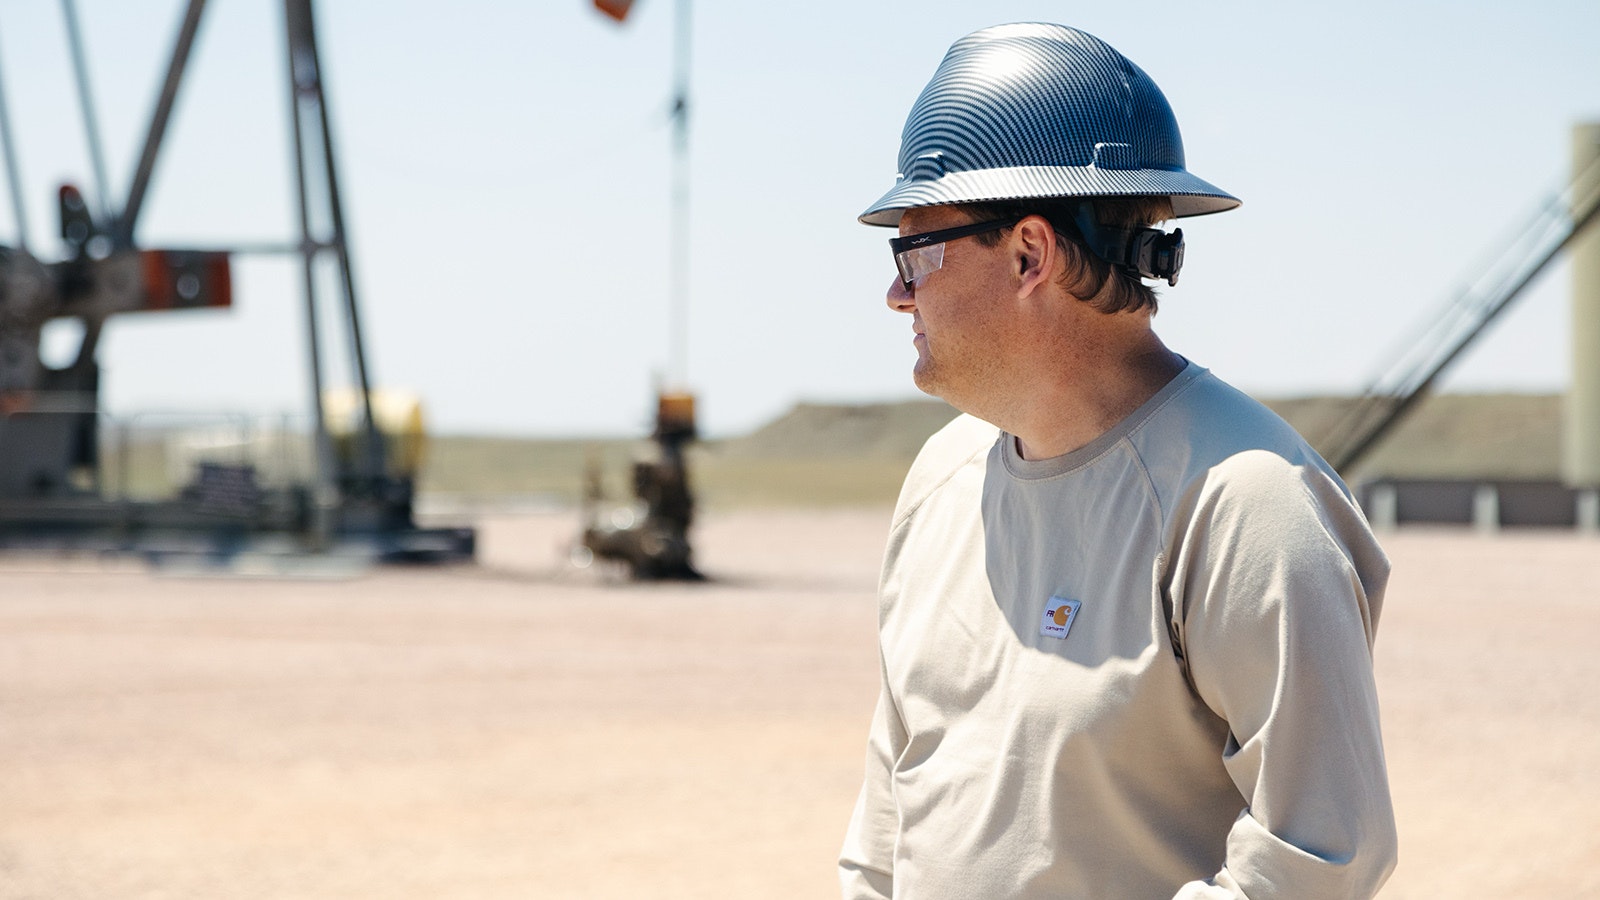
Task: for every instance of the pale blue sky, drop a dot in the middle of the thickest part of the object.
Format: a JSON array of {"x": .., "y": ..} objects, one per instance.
[{"x": 506, "y": 175}]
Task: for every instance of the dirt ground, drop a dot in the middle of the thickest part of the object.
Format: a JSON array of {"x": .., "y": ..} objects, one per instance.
[{"x": 519, "y": 729}]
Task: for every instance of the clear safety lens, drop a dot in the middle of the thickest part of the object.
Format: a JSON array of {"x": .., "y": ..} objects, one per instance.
[{"x": 918, "y": 262}]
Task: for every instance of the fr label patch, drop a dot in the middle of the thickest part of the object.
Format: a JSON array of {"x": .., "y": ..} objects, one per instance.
[{"x": 1059, "y": 614}]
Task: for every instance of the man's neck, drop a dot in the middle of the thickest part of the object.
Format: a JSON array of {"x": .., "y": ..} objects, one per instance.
[{"x": 1096, "y": 397}]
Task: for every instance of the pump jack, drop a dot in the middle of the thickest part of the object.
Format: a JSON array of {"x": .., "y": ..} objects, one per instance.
[
  {"x": 654, "y": 546},
  {"x": 50, "y": 461}
]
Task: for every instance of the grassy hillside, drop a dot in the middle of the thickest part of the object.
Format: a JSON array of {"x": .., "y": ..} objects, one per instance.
[
  {"x": 830, "y": 455},
  {"x": 722, "y": 474}
]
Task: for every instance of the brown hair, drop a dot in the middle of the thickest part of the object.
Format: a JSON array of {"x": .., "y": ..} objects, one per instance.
[{"x": 1108, "y": 288}]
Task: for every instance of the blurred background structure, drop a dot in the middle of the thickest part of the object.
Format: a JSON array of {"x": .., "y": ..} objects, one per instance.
[
  {"x": 61, "y": 487},
  {"x": 505, "y": 168},
  {"x": 505, "y": 185}
]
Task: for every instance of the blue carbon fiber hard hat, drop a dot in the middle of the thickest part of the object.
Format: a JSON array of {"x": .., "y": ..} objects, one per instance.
[{"x": 1033, "y": 111}]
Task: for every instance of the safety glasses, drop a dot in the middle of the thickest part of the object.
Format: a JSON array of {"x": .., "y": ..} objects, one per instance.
[{"x": 917, "y": 255}]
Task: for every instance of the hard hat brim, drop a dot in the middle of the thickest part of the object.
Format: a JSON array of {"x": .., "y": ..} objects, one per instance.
[{"x": 1190, "y": 196}]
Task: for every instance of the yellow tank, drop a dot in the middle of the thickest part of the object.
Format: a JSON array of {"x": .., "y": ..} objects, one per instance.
[{"x": 398, "y": 417}]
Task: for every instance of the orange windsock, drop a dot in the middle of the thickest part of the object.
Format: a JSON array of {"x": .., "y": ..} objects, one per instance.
[{"x": 616, "y": 9}]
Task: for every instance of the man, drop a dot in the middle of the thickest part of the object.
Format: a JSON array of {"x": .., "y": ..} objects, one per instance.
[{"x": 1126, "y": 628}]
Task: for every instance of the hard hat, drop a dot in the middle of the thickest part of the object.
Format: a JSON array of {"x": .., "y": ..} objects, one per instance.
[{"x": 1033, "y": 111}]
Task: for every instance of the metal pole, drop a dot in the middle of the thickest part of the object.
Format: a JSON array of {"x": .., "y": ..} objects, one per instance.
[
  {"x": 19, "y": 209},
  {"x": 306, "y": 39},
  {"x": 91, "y": 128},
  {"x": 678, "y": 350},
  {"x": 1581, "y": 437},
  {"x": 325, "y": 487},
  {"x": 122, "y": 234}
]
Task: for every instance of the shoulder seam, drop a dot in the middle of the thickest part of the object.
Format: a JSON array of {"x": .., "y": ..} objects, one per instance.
[
  {"x": 934, "y": 488},
  {"x": 1183, "y": 389}
]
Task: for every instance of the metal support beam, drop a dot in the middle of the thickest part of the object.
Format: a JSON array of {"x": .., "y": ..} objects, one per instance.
[
  {"x": 309, "y": 109},
  {"x": 1403, "y": 385},
  {"x": 13, "y": 173},
  {"x": 122, "y": 233},
  {"x": 310, "y": 100},
  {"x": 325, "y": 483},
  {"x": 91, "y": 127}
]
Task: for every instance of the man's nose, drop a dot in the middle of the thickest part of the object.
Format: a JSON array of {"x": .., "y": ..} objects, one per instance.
[{"x": 901, "y": 299}]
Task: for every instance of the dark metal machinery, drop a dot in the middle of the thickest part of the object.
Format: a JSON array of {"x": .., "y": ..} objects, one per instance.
[
  {"x": 653, "y": 545},
  {"x": 50, "y": 456}
]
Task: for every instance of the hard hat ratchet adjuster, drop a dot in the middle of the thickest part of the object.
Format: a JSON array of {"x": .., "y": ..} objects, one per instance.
[{"x": 1145, "y": 252}]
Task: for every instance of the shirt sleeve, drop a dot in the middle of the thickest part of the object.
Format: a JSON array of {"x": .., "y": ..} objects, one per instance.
[
  {"x": 1277, "y": 584},
  {"x": 866, "y": 862}
]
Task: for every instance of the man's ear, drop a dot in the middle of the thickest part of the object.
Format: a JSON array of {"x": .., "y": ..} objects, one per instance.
[{"x": 1034, "y": 253}]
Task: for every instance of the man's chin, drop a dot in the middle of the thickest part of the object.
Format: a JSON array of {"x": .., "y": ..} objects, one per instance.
[{"x": 926, "y": 381}]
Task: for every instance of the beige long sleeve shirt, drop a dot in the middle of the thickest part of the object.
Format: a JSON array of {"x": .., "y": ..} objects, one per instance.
[{"x": 1141, "y": 670}]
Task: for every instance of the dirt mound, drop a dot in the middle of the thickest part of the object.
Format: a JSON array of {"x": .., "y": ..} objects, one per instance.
[
  {"x": 832, "y": 431},
  {"x": 1449, "y": 435}
]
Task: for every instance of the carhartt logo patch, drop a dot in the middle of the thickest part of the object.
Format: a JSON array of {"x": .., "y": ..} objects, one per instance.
[{"x": 1059, "y": 614}]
